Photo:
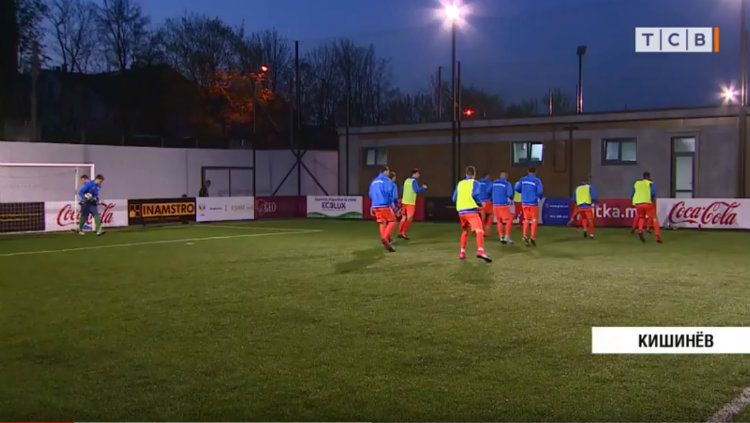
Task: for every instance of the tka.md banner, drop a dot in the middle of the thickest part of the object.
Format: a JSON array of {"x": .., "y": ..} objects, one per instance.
[
  {"x": 709, "y": 213},
  {"x": 607, "y": 211},
  {"x": 334, "y": 207},
  {"x": 614, "y": 212}
]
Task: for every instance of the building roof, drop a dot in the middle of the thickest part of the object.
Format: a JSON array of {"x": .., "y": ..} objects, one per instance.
[{"x": 603, "y": 117}]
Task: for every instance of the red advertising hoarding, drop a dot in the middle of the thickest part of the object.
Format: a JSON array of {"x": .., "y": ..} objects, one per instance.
[
  {"x": 280, "y": 207},
  {"x": 614, "y": 212}
]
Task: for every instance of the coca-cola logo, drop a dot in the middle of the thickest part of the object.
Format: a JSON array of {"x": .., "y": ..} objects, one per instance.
[
  {"x": 717, "y": 213},
  {"x": 68, "y": 216},
  {"x": 264, "y": 207}
]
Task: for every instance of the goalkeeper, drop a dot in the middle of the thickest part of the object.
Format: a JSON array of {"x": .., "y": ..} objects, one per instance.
[{"x": 89, "y": 201}]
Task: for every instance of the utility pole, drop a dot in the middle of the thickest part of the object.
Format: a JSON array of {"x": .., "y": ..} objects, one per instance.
[
  {"x": 440, "y": 94},
  {"x": 569, "y": 154},
  {"x": 454, "y": 104},
  {"x": 743, "y": 154},
  {"x": 348, "y": 122},
  {"x": 580, "y": 51},
  {"x": 295, "y": 114},
  {"x": 551, "y": 102},
  {"x": 35, "y": 65},
  {"x": 460, "y": 118}
]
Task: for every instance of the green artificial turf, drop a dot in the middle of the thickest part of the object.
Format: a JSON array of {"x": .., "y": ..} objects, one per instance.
[{"x": 302, "y": 325}]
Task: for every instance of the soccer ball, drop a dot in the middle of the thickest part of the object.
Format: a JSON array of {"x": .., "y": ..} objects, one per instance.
[{"x": 88, "y": 196}]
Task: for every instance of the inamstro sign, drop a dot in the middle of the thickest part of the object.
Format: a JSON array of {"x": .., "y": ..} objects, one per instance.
[{"x": 161, "y": 210}]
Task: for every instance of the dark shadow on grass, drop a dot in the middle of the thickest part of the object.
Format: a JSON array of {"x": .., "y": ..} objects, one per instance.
[
  {"x": 362, "y": 259},
  {"x": 476, "y": 272},
  {"x": 427, "y": 238}
]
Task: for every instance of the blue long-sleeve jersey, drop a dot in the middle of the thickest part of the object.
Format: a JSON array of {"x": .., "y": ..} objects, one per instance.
[
  {"x": 531, "y": 190},
  {"x": 381, "y": 191},
  {"x": 502, "y": 192},
  {"x": 416, "y": 187},
  {"x": 394, "y": 193},
  {"x": 475, "y": 194},
  {"x": 485, "y": 191},
  {"x": 594, "y": 197},
  {"x": 89, "y": 187}
]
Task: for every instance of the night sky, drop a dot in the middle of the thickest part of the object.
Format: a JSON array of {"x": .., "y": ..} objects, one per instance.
[{"x": 517, "y": 48}]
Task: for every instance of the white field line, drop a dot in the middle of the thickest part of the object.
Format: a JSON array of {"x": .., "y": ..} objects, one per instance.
[
  {"x": 731, "y": 409},
  {"x": 211, "y": 225},
  {"x": 166, "y": 241}
]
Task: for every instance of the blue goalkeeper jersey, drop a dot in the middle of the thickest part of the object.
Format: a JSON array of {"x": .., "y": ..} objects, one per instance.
[{"x": 89, "y": 187}]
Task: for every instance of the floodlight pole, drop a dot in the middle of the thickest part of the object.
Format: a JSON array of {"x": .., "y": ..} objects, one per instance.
[
  {"x": 742, "y": 156},
  {"x": 454, "y": 105},
  {"x": 440, "y": 94},
  {"x": 460, "y": 118},
  {"x": 579, "y": 94}
]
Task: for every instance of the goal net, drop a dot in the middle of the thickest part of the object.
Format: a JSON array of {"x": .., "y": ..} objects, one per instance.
[{"x": 24, "y": 187}]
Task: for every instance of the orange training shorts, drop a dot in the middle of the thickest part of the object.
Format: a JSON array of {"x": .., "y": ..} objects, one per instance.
[
  {"x": 384, "y": 215},
  {"x": 408, "y": 210},
  {"x": 530, "y": 212},
  {"x": 502, "y": 213},
  {"x": 471, "y": 221}
]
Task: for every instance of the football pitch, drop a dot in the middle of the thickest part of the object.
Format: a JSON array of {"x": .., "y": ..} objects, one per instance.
[{"x": 312, "y": 320}]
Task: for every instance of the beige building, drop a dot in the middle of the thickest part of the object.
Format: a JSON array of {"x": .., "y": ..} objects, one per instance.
[{"x": 689, "y": 152}]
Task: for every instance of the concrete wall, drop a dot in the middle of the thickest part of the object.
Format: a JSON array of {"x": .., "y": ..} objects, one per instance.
[
  {"x": 147, "y": 172},
  {"x": 715, "y": 159}
]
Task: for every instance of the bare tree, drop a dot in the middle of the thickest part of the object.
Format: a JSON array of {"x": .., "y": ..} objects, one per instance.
[
  {"x": 199, "y": 47},
  {"x": 341, "y": 73},
  {"x": 29, "y": 14},
  {"x": 561, "y": 102},
  {"x": 73, "y": 23},
  {"x": 122, "y": 26},
  {"x": 275, "y": 51}
]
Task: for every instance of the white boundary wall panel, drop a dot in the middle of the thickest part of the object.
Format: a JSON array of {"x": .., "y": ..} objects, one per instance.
[{"x": 151, "y": 172}]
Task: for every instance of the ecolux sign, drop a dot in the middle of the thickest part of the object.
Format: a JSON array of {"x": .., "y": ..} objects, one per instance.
[{"x": 677, "y": 40}]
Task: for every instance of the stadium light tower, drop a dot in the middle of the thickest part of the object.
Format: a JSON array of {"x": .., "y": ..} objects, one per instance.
[
  {"x": 728, "y": 94},
  {"x": 453, "y": 15},
  {"x": 580, "y": 51}
]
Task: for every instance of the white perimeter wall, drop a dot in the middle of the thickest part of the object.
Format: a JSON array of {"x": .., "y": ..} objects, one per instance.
[{"x": 149, "y": 172}]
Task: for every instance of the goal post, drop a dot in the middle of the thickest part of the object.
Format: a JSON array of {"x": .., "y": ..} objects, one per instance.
[
  {"x": 33, "y": 182},
  {"x": 25, "y": 187}
]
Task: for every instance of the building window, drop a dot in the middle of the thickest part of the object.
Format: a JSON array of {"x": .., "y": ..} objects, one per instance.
[
  {"x": 619, "y": 151},
  {"x": 527, "y": 153},
  {"x": 376, "y": 156}
]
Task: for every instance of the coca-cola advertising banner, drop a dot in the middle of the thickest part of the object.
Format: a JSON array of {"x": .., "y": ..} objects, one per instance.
[
  {"x": 280, "y": 207},
  {"x": 64, "y": 215},
  {"x": 709, "y": 213}
]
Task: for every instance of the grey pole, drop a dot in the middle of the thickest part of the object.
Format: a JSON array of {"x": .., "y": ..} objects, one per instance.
[
  {"x": 743, "y": 174},
  {"x": 460, "y": 118},
  {"x": 453, "y": 103}
]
